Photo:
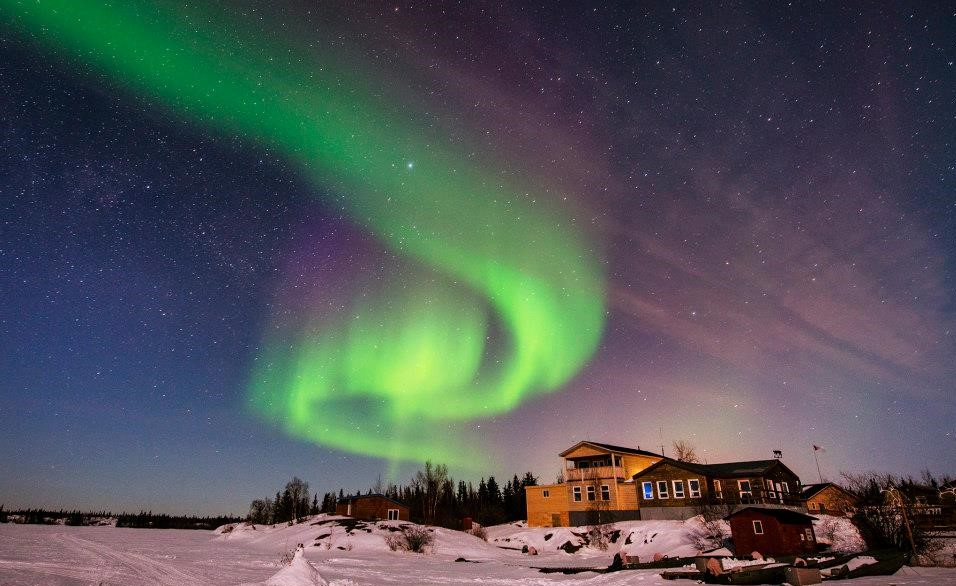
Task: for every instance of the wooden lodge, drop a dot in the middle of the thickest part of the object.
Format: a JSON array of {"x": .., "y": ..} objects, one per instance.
[
  {"x": 671, "y": 489},
  {"x": 772, "y": 531},
  {"x": 607, "y": 483},
  {"x": 596, "y": 483},
  {"x": 372, "y": 507}
]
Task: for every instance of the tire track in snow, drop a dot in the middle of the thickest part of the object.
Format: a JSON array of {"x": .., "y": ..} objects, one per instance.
[{"x": 153, "y": 572}]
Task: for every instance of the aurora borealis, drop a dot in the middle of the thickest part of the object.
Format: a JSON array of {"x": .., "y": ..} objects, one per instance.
[
  {"x": 366, "y": 236},
  {"x": 408, "y": 358}
]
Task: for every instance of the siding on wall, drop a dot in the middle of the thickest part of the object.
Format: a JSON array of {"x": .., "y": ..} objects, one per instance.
[
  {"x": 541, "y": 509},
  {"x": 669, "y": 473},
  {"x": 778, "y": 538},
  {"x": 833, "y": 500},
  {"x": 371, "y": 508}
]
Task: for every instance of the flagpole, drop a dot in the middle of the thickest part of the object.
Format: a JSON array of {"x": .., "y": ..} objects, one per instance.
[{"x": 814, "y": 448}]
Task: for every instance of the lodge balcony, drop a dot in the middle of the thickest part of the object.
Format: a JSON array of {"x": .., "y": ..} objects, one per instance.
[
  {"x": 737, "y": 498},
  {"x": 592, "y": 473}
]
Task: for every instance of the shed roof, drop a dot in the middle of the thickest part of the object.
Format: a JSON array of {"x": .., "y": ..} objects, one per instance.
[{"x": 785, "y": 515}]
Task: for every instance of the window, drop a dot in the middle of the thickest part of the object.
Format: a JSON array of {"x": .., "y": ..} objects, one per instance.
[
  {"x": 745, "y": 491},
  {"x": 591, "y": 492},
  {"x": 648, "y": 488},
  {"x": 576, "y": 492},
  {"x": 617, "y": 460},
  {"x": 758, "y": 528},
  {"x": 662, "y": 489},
  {"x": 545, "y": 493},
  {"x": 770, "y": 493},
  {"x": 605, "y": 492},
  {"x": 784, "y": 488},
  {"x": 678, "y": 489},
  {"x": 809, "y": 533},
  {"x": 393, "y": 514},
  {"x": 717, "y": 492},
  {"x": 694, "y": 485}
]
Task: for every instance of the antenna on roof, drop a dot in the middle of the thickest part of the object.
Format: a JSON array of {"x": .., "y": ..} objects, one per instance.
[{"x": 662, "y": 440}]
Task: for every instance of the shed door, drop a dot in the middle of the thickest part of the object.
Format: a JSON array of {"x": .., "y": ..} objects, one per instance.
[{"x": 555, "y": 520}]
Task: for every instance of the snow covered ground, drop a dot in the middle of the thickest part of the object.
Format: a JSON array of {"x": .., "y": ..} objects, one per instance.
[{"x": 338, "y": 556}]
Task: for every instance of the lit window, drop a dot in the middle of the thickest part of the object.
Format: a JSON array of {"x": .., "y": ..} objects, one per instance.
[
  {"x": 758, "y": 528},
  {"x": 770, "y": 492},
  {"x": 648, "y": 488},
  {"x": 662, "y": 489},
  {"x": 545, "y": 493},
  {"x": 605, "y": 492},
  {"x": 577, "y": 494},
  {"x": 678, "y": 489},
  {"x": 591, "y": 493},
  {"x": 718, "y": 493},
  {"x": 694, "y": 485},
  {"x": 784, "y": 488}
]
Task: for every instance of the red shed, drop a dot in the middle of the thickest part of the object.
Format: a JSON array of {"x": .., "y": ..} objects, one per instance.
[
  {"x": 372, "y": 507},
  {"x": 772, "y": 531}
]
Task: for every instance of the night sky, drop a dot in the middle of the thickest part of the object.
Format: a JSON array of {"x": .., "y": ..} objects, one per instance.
[{"x": 239, "y": 244}]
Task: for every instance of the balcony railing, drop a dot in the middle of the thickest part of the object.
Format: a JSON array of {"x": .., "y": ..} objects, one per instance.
[
  {"x": 757, "y": 498},
  {"x": 591, "y": 473}
]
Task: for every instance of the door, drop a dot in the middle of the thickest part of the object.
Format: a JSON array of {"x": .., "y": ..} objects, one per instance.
[{"x": 555, "y": 520}]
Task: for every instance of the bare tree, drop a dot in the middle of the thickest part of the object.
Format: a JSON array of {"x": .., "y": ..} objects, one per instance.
[
  {"x": 713, "y": 531},
  {"x": 887, "y": 509},
  {"x": 431, "y": 482},
  {"x": 299, "y": 491},
  {"x": 600, "y": 525},
  {"x": 685, "y": 451}
]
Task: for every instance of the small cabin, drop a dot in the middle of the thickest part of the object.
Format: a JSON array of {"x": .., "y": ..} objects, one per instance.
[
  {"x": 372, "y": 507},
  {"x": 827, "y": 498},
  {"x": 772, "y": 531}
]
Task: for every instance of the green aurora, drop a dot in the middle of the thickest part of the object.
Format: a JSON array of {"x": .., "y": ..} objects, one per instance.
[{"x": 504, "y": 299}]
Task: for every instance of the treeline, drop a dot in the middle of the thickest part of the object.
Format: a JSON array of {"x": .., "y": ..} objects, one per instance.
[
  {"x": 50, "y": 517},
  {"x": 432, "y": 496},
  {"x": 143, "y": 519},
  {"x": 162, "y": 521}
]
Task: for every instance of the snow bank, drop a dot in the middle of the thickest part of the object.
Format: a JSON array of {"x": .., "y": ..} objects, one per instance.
[
  {"x": 298, "y": 573},
  {"x": 839, "y": 533},
  {"x": 644, "y": 539}
]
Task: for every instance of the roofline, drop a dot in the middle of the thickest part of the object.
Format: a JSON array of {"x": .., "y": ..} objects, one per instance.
[
  {"x": 365, "y": 496},
  {"x": 600, "y": 446},
  {"x": 823, "y": 486},
  {"x": 706, "y": 467},
  {"x": 766, "y": 509}
]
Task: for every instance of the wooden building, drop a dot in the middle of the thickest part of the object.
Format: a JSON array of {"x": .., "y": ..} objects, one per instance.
[
  {"x": 772, "y": 531},
  {"x": 671, "y": 489},
  {"x": 595, "y": 486},
  {"x": 827, "y": 498},
  {"x": 372, "y": 507}
]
